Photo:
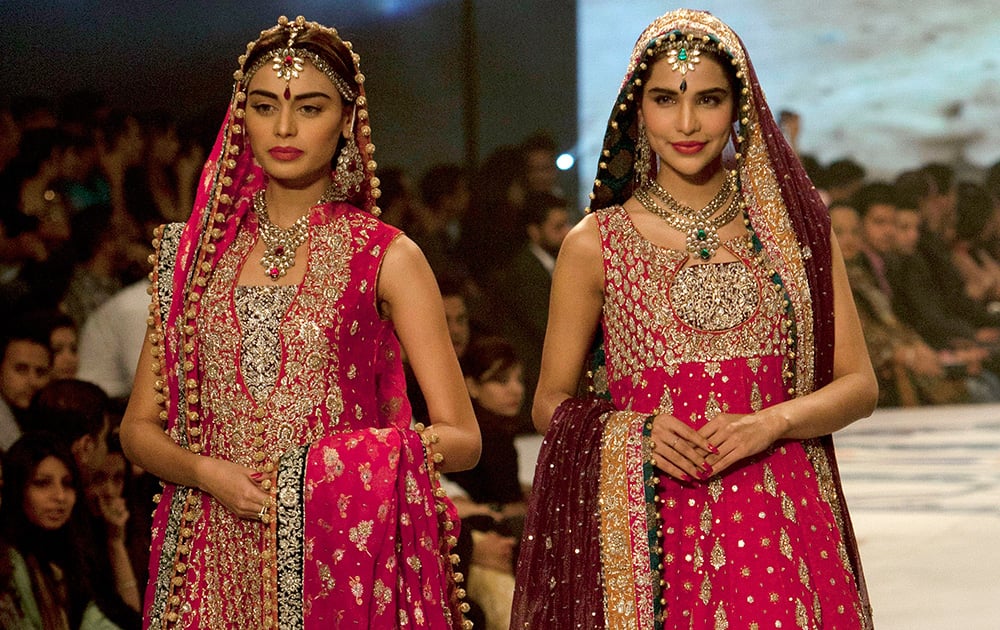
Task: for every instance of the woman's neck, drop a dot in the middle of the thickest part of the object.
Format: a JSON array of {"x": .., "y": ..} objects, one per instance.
[{"x": 286, "y": 204}]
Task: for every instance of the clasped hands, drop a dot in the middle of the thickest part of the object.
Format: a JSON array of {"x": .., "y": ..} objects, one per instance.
[{"x": 691, "y": 455}]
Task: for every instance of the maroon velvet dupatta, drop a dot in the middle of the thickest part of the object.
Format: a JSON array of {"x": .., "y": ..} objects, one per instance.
[{"x": 560, "y": 579}]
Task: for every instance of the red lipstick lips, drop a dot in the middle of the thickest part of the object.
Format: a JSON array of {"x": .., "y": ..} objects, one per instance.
[
  {"x": 688, "y": 148},
  {"x": 285, "y": 153}
]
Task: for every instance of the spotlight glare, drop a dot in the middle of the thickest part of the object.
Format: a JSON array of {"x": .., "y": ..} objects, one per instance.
[{"x": 565, "y": 161}]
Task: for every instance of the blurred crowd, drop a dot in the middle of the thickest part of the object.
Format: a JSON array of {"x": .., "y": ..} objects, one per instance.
[{"x": 82, "y": 186}]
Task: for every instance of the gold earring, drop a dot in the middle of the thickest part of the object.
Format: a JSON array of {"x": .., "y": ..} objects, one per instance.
[
  {"x": 349, "y": 173},
  {"x": 643, "y": 156}
]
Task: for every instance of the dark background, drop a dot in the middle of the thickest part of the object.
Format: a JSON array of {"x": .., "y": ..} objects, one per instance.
[{"x": 180, "y": 56}]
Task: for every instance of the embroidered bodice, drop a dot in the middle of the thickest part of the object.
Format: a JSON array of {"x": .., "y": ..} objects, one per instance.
[
  {"x": 667, "y": 322},
  {"x": 260, "y": 309}
]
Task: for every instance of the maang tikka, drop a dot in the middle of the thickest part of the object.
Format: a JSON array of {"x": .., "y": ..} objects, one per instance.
[{"x": 289, "y": 61}]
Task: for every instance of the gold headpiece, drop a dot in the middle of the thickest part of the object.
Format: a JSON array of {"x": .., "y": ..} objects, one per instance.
[
  {"x": 683, "y": 52},
  {"x": 288, "y": 62}
]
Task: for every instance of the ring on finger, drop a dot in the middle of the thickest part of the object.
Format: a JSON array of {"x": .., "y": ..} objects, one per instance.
[
  {"x": 673, "y": 444},
  {"x": 262, "y": 515}
]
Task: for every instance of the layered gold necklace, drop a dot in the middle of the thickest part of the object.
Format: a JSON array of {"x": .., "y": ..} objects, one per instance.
[
  {"x": 280, "y": 244},
  {"x": 701, "y": 230}
]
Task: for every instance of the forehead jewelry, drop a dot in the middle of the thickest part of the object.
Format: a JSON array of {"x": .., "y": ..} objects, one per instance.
[
  {"x": 289, "y": 61},
  {"x": 683, "y": 53}
]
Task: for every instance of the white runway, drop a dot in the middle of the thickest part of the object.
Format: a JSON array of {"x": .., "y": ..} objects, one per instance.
[{"x": 923, "y": 486}]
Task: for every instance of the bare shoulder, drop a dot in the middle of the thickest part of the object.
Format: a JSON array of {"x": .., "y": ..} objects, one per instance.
[
  {"x": 404, "y": 272},
  {"x": 580, "y": 256},
  {"x": 583, "y": 242}
]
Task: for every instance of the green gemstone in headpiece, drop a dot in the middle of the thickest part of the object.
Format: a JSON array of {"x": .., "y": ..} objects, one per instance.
[{"x": 683, "y": 54}]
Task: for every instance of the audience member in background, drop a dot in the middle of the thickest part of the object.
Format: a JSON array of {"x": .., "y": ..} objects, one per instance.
[
  {"x": 493, "y": 502},
  {"x": 790, "y": 123},
  {"x": 111, "y": 340},
  {"x": 444, "y": 190},
  {"x": 398, "y": 200},
  {"x": 539, "y": 154},
  {"x": 842, "y": 178},
  {"x": 909, "y": 371},
  {"x": 99, "y": 263},
  {"x": 120, "y": 145},
  {"x": 928, "y": 291},
  {"x": 494, "y": 377},
  {"x": 25, "y": 363},
  {"x": 45, "y": 582},
  {"x": 970, "y": 250},
  {"x": 875, "y": 204},
  {"x": 128, "y": 494},
  {"x": 63, "y": 342},
  {"x": 522, "y": 287},
  {"x": 77, "y": 413},
  {"x": 965, "y": 356}
]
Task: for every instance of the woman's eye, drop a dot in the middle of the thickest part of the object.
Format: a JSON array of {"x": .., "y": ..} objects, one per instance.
[
  {"x": 262, "y": 108},
  {"x": 310, "y": 109}
]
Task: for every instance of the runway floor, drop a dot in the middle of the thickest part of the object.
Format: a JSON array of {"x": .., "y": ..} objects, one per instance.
[{"x": 923, "y": 486}]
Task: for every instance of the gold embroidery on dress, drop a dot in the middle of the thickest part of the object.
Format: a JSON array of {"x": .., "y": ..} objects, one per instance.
[
  {"x": 756, "y": 403},
  {"x": 718, "y": 555},
  {"x": 643, "y": 286}
]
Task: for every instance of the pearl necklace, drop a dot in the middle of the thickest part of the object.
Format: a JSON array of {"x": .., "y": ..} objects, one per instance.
[
  {"x": 280, "y": 244},
  {"x": 700, "y": 230}
]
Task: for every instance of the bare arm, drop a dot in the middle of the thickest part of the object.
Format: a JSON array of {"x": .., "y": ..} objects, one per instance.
[
  {"x": 148, "y": 446},
  {"x": 410, "y": 297},
  {"x": 574, "y": 312},
  {"x": 851, "y": 394}
]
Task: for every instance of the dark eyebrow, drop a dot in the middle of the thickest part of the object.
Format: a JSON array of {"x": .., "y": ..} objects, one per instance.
[
  {"x": 297, "y": 97},
  {"x": 672, "y": 92}
]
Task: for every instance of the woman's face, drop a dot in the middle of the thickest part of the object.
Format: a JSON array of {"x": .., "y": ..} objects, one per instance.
[
  {"x": 65, "y": 359},
  {"x": 295, "y": 139},
  {"x": 688, "y": 118},
  {"x": 49, "y": 496},
  {"x": 501, "y": 393}
]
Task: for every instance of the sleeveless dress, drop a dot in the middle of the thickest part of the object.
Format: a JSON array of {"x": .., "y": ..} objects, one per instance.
[
  {"x": 306, "y": 381},
  {"x": 758, "y": 546}
]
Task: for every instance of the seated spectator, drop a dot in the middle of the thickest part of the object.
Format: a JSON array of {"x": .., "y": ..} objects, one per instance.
[
  {"x": 970, "y": 250},
  {"x": 25, "y": 363},
  {"x": 909, "y": 371},
  {"x": 63, "y": 343},
  {"x": 928, "y": 292},
  {"x": 77, "y": 413},
  {"x": 493, "y": 503},
  {"x": 493, "y": 376},
  {"x": 44, "y": 579}
]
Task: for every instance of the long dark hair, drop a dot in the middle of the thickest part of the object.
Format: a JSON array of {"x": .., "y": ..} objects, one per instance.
[{"x": 40, "y": 548}]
